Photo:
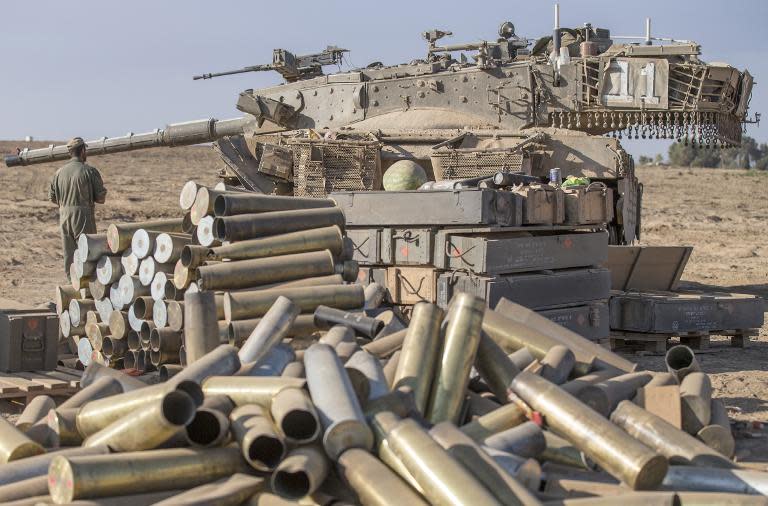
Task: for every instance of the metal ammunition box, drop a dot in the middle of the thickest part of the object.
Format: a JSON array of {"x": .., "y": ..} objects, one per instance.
[
  {"x": 276, "y": 161},
  {"x": 591, "y": 204},
  {"x": 540, "y": 290},
  {"x": 392, "y": 246},
  {"x": 542, "y": 205},
  {"x": 438, "y": 207},
  {"x": 590, "y": 321},
  {"x": 409, "y": 285},
  {"x": 507, "y": 252},
  {"x": 29, "y": 338},
  {"x": 667, "y": 312}
]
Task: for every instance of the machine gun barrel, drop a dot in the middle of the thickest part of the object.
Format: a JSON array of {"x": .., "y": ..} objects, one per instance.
[
  {"x": 252, "y": 68},
  {"x": 175, "y": 134}
]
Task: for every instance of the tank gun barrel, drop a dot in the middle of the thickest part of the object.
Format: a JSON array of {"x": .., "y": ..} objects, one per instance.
[{"x": 175, "y": 134}]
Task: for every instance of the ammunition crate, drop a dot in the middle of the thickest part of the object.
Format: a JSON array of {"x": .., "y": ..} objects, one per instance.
[
  {"x": 508, "y": 252},
  {"x": 540, "y": 290},
  {"x": 590, "y": 321},
  {"x": 29, "y": 338},
  {"x": 435, "y": 207},
  {"x": 392, "y": 246},
  {"x": 542, "y": 204},
  {"x": 409, "y": 285},
  {"x": 677, "y": 312},
  {"x": 588, "y": 205}
]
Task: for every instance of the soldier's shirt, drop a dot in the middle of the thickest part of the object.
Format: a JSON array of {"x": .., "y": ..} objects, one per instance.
[{"x": 76, "y": 184}]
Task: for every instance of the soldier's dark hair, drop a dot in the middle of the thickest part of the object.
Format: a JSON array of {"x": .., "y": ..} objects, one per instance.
[{"x": 78, "y": 151}]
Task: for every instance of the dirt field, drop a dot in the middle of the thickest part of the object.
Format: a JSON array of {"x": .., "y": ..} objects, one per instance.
[{"x": 723, "y": 214}]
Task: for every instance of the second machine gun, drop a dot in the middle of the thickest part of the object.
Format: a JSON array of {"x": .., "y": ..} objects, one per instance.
[{"x": 291, "y": 67}]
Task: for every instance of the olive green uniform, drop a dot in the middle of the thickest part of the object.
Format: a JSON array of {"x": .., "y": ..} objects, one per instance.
[{"x": 76, "y": 187}]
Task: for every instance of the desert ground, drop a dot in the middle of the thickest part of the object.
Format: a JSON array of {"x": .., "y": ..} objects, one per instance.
[{"x": 721, "y": 213}]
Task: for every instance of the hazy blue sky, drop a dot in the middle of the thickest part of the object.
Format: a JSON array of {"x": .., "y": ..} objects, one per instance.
[{"x": 95, "y": 67}]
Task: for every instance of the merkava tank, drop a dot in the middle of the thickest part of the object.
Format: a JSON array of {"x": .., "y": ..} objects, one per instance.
[{"x": 466, "y": 110}]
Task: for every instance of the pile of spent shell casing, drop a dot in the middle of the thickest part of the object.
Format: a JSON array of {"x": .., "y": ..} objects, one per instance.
[
  {"x": 134, "y": 286},
  {"x": 463, "y": 406}
]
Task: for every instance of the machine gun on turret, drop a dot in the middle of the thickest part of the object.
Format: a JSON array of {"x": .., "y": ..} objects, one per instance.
[{"x": 291, "y": 67}]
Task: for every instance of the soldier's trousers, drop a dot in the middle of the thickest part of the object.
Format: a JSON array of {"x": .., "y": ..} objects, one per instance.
[{"x": 74, "y": 221}]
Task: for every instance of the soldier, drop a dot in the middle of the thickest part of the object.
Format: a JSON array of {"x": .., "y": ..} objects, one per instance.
[{"x": 76, "y": 187}]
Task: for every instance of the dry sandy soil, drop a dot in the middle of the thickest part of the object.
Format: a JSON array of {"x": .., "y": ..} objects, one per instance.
[{"x": 721, "y": 213}]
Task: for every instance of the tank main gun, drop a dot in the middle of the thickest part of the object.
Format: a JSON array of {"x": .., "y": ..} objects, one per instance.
[
  {"x": 175, "y": 134},
  {"x": 291, "y": 67}
]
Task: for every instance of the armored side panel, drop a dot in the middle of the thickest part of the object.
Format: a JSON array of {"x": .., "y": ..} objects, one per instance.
[
  {"x": 539, "y": 290},
  {"x": 666, "y": 312},
  {"x": 590, "y": 320},
  {"x": 444, "y": 208},
  {"x": 28, "y": 338},
  {"x": 500, "y": 253}
]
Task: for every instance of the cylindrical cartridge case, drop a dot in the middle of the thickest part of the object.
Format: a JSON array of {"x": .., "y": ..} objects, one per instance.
[
  {"x": 340, "y": 413},
  {"x": 270, "y": 330},
  {"x": 94, "y": 476},
  {"x": 148, "y": 426},
  {"x": 230, "y": 204},
  {"x": 603, "y": 397},
  {"x": 526, "y": 440},
  {"x": 495, "y": 367},
  {"x": 201, "y": 330},
  {"x": 249, "y": 389},
  {"x": 613, "y": 449},
  {"x": 250, "y": 226},
  {"x": 235, "y": 489},
  {"x": 36, "y": 410},
  {"x": 462, "y": 337},
  {"x": 717, "y": 435},
  {"x": 557, "y": 364},
  {"x": 357, "y": 466},
  {"x": 326, "y": 317},
  {"x": 301, "y": 473},
  {"x": 506, "y": 489},
  {"x": 222, "y": 361},
  {"x": 656, "y": 433},
  {"x": 261, "y": 271},
  {"x": 442, "y": 479},
  {"x": 262, "y": 447},
  {"x": 254, "y": 304},
  {"x": 294, "y": 413},
  {"x": 15, "y": 445},
  {"x": 680, "y": 361},
  {"x": 695, "y": 401}
]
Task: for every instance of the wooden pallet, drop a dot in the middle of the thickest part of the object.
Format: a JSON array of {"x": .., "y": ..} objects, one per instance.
[
  {"x": 658, "y": 343},
  {"x": 24, "y": 386}
]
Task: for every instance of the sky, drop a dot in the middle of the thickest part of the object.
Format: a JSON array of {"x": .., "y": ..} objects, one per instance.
[{"x": 103, "y": 68}]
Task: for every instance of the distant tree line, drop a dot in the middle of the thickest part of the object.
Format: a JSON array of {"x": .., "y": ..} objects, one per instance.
[{"x": 750, "y": 155}]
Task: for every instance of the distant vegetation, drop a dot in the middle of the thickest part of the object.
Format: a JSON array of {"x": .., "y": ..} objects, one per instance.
[{"x": 750, "y": 155}]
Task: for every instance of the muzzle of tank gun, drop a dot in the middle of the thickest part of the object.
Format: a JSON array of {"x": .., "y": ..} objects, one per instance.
[{"x": 175, "y": 134}]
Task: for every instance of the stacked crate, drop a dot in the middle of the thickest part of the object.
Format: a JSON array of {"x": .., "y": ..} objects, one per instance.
[{"x": 429, "y": 245}]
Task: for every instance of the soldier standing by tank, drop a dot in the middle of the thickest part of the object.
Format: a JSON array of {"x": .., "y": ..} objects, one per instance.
[{"x": 76, "y": 188}]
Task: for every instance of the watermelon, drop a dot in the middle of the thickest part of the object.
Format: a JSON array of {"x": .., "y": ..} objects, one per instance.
[{"x": 404, "y": 175}]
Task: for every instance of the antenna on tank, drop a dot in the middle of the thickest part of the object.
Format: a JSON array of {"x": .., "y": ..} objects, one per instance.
[{"x": 648, "y": 32}]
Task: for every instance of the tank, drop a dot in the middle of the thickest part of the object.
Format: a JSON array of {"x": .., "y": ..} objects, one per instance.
[{"x": 464, "y": 111}]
